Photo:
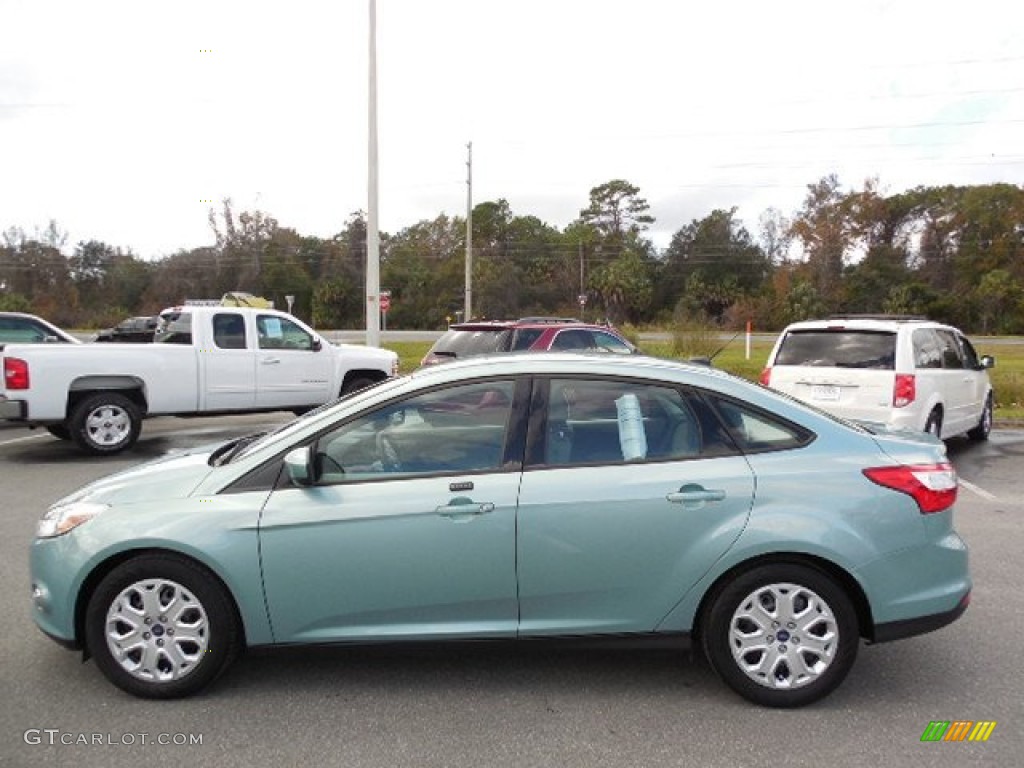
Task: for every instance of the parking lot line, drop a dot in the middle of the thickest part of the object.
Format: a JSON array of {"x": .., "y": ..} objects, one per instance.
[
  {"x": 978, "y": 491},
  {"x": 21, "y": 439}
]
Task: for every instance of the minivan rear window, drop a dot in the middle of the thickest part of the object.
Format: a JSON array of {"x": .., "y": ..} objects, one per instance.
[{"x": 823, "y": 348}]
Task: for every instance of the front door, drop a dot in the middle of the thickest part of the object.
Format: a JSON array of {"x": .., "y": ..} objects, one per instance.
[{"x": 408, "y": 530}]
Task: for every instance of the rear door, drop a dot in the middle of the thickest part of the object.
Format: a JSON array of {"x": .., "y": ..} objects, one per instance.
[
  {"x": 629, "y": 496},
  {"x": 230, "y": 366}
]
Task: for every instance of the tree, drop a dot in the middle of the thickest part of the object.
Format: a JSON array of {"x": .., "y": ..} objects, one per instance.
[{"x": 616, "y": 211}]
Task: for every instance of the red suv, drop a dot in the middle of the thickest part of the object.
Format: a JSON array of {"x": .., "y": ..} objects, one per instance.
[{"x": 536, "y": 334}]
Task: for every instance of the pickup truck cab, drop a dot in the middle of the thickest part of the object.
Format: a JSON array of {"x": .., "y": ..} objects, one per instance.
[{"x": 205, "y": 361}]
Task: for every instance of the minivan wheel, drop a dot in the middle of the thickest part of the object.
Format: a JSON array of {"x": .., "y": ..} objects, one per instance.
[
  {"x": 934, "y": 424},
  {"x": 161, "y": 627},
  {"x": 981, "y": 432},
  {"x": 781, "y": 635}
]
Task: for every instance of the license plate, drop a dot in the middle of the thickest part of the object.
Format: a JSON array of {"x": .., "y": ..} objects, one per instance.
[{"x": 824, "y": 392}]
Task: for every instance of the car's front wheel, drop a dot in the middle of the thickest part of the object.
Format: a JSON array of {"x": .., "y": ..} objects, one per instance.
[
  {"x": 161, "y": 626},
  {"x": 781, "y": 635}
]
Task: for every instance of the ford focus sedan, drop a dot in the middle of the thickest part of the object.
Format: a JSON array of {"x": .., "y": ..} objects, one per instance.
[{"x": 520, "y": 497}]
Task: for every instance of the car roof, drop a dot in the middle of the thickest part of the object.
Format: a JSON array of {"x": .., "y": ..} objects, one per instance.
[
  {"x": 866, "y": 323},
  {"x": 524, "y": 322}
]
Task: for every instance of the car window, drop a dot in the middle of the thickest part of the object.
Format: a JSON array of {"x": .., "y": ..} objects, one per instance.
[
  {"x": 455, "y": 430},
  {"x": 756, "y": 431},
  {"x": 467, "y": 343},
  {"x": 281, "y": 333},
  {"x": 174, "y": 328},
  {"x": 524, "y": 338},
  {"x": 229, "y": 330},
  {"x": 20, "y": 330},
  {"x": 606, "y": 342},
  {"x": 970, "y": 355},
  {"x": 927, "y": 349},
  {"x": 590, "y": 421},
  {"x": 952, "y": 357},
  {"x": 574, "y": 338},
  {"x": 839, "y": 349}
]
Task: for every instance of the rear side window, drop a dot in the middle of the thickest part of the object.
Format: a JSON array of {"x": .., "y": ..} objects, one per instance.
[
  {"x": 756, "y": 431},
  {"x": 524, "y": 338},
  {"x": 839, "y": 349}
]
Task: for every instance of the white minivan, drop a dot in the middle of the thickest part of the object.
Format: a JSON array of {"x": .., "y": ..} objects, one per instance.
[{"x": 896, "y": 370}]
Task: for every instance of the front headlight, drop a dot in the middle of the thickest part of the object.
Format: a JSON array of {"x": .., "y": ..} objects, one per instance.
[{"x": 62, "y": 518}]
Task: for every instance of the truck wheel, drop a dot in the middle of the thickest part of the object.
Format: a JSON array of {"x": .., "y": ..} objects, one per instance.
[
  {"x": 105, "y": 423},
  {"x": 357, "y": 383}
]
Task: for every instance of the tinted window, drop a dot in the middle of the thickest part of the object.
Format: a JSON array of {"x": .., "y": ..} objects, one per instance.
[
  {"x": 466, "y": 343},
  {"x": 589, "y": 421},
  {"x": 608, "y": 343},
  {"x": 524, "y": 338},
  {"x": 21, "y": 330},
  {"x": 970, "y": 356},
  {"x": 838, "y": 349},
  {"x": 449, "y": 431},
  {"x": 574, "y": 338},
  {"x": 229, "y": 331}
]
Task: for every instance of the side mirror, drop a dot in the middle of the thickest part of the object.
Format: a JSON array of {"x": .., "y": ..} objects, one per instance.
[
  {"x": 299, "y": 465},
  {"x": 317, "y": 344},
  {"x": 987, "y": 361}
]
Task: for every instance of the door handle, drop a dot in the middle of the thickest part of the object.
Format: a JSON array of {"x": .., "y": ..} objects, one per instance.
[
  {"x": 465, "y": 508},
  {"x": 271, "y": 360},
  {"x": 693, "y": 493}
]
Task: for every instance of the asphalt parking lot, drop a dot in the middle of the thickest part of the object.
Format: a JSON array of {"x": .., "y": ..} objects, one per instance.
[{"x": 496, "y": 705}]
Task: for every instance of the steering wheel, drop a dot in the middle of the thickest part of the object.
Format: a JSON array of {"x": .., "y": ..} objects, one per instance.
[{"x": 387, "y": 453}]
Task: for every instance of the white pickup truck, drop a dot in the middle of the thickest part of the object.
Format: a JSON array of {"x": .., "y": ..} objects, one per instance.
[{"x": 205, "y": 361}]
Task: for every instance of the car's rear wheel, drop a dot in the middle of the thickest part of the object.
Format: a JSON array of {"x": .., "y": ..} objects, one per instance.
[
  {"x": 934, "y": 424},
  {"x": 161, "y": 627},
  {"x": 781, "y": 635},
  {"x": 981, "y": 432},
  {"x": 105, "y": 423}
]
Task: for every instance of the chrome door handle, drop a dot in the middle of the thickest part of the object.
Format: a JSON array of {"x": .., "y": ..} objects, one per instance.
[
  {"x": 690, "y": 494},
  {"x": 465, "y": 509},
  {"x": 271, "y": 360}
]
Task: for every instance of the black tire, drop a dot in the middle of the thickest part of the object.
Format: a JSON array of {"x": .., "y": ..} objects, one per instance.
[
  {"x": 60, "y": 431},
  {"x": 981, "y": 432},
  {"x": 934, "y": 424},
  {"x": 128, "y": 600},
  {"x": 800, "y": 657},
  {"x": 105, "y": 423},
  {"x": 356, "y": 383}
]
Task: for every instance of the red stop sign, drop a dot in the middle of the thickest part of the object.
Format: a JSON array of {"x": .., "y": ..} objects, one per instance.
[{"x": 385, "y": 302}]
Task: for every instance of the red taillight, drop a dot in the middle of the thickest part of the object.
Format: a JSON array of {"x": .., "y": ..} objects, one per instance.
[
  {"x": 933, "y": 486},
  {"x": 766, "y": 377},
  {"x": 904, "y": 391},
  {"x": 15, "y": 373}
]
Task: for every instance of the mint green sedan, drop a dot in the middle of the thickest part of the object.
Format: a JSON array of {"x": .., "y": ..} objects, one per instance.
[{"x": 551, "y": 496}]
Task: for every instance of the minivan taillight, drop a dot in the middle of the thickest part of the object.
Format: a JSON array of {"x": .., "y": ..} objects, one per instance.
[
  {"x": 904, "y": 391},
  {"x": 932, "y": 486},
  {"x": 15, "y": 373},
  {"x": 766, "y": 376}
]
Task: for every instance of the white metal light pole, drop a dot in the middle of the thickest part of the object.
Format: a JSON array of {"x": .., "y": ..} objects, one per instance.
[
  {"x": 469, "y": 234},
  {"x": 372, "y": 231}
]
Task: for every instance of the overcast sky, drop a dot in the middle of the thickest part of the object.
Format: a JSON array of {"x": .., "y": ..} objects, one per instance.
[{"x": 122, "y": 120}]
